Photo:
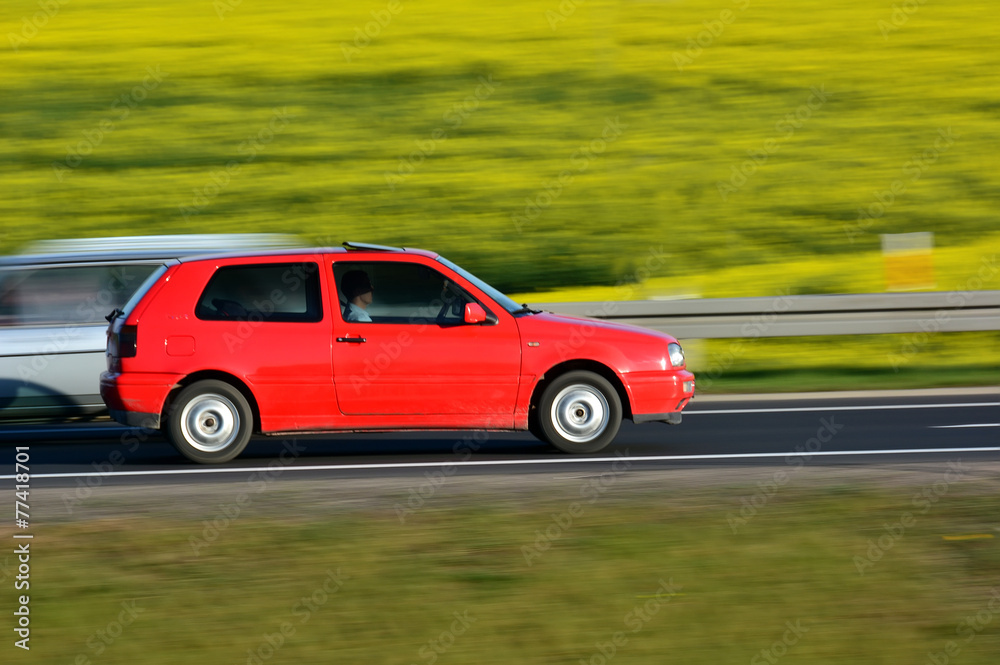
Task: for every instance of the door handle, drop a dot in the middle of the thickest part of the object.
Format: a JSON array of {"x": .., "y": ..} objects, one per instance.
[{"x": 357, "y": 340}]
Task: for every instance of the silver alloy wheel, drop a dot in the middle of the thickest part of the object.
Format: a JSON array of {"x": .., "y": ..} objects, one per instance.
[
  {"x": 580, "y": 413},
  {"x": 210, "y": 422}
]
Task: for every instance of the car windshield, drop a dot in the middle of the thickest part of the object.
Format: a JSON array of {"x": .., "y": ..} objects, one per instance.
[{"x": 493, "y": 293}]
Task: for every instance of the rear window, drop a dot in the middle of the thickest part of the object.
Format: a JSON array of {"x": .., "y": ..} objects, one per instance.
[
  {"x": 278, "y": 292},
  {"x": 67, "y": 295}
]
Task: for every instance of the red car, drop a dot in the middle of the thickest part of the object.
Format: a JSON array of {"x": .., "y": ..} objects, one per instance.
[{"x": 366, "y": 337}]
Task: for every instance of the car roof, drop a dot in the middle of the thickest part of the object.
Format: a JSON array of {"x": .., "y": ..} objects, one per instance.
[
  {"x": 142, "y": 248},
  {"x": 350, "y": 248}
]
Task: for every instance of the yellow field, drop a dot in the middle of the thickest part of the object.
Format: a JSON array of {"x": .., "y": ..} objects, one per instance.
[{"x": 541, "y": 144}]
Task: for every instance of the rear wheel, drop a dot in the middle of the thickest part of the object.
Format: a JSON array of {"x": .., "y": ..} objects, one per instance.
[
  {"x": 580, "y": 412},
  {"x": 210, "y": 422}
]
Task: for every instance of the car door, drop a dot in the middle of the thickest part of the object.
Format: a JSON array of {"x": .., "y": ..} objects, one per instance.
[{"x": 416, "y": 355}]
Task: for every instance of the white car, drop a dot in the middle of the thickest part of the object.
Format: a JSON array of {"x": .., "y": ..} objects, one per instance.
[{"x": 53, "y": 304}]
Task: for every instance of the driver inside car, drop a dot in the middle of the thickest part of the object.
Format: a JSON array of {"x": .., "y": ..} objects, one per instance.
[{"x": 357, "y": 288}]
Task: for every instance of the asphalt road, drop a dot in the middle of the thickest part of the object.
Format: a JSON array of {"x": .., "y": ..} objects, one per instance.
[{"x": 833, "y": 429}]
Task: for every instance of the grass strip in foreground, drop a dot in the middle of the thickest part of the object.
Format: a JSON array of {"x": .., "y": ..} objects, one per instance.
[{"x": 584, "y": 572}]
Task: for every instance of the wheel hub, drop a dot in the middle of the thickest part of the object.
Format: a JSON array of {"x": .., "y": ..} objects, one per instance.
[
  {"x": 210, "y": 422},
  {"x": 580, "y": 413}
]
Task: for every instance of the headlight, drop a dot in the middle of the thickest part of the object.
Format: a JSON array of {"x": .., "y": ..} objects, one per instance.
[{"x": 676, "y": 354}]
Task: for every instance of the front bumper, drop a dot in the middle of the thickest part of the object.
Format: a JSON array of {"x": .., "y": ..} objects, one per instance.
[
  {"x": 659, "y": 396},
  {"x": 673, "y": 418}
]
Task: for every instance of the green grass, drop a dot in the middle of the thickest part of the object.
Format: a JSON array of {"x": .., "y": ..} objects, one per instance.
[
  {"x": 555, "y": 87},
  {"x": 795, "y": 561}
]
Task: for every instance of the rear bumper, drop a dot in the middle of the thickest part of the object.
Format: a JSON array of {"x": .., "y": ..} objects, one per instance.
[
  {"x": 659, "y": 396},
  {"x": 136, "y": 419},
  {"x": 137, "y": 399}
]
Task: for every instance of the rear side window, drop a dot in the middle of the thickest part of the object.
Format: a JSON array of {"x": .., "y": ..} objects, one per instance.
[
  {"x": 279, "y": 292},
  {"x": 67, "y": 295}
]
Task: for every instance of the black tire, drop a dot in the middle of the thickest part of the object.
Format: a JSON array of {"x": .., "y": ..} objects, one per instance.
[
  {"x": 534, "y": 426},
  {"x": 580, "y": 412},
  {"x": 210, "y": 422}
]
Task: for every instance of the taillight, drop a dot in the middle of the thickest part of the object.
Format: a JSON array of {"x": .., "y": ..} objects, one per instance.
[{"x": 127, "y": 338}]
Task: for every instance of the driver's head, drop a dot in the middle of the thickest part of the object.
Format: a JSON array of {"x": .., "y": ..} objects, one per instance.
[{"x": 355, "y": 283}]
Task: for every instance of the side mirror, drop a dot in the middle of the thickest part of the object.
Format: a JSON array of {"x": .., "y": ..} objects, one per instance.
[{"x": 474, "y": 313}]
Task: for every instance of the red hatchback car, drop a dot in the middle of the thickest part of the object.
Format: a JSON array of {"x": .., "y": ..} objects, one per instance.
[{"x": 364, "y": 338}]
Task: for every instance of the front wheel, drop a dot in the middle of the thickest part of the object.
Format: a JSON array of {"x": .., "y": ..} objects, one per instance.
[
  {"x": 210, "y": 422},
  {"x": 580, "y": 412}
]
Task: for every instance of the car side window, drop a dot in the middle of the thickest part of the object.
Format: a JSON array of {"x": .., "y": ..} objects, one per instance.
[
  {"x": 67, "y": 295},
  {"x": 277, "y": 292},
  {"x": 398, "y": 292}
]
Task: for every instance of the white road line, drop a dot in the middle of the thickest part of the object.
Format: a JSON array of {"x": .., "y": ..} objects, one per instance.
[
  {"x": 962, "y": 426},
  {"x": 512, "y": 462},
  {"x": 870, "y": 407}
]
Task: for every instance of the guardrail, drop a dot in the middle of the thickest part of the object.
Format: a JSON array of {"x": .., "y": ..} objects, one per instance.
[{"x": 794, "y": 316}]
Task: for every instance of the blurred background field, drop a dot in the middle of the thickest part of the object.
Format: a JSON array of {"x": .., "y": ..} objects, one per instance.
[
  {"x": 676, "y": 565},
  {"x": 226, "y": 66},
  {"x": 760, "y": 146}
]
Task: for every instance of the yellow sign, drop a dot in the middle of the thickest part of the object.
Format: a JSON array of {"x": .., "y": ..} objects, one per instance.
[{"x": 909, "y": 261}]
